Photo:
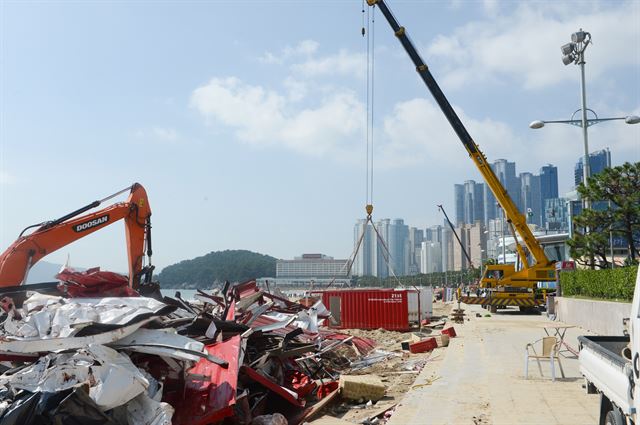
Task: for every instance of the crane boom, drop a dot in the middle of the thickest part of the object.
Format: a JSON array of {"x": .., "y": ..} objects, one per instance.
[
  {"x": 521, "y": 283},
  {"x": 479, "y": 159}
]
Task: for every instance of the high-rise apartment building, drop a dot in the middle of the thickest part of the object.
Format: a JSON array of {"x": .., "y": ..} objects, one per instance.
[
  {"x": 398, "y": 244},
  {"x": 489, "y": 203},
  {"x": 390, "y": 251},
  {"x": 556, "y": 214},
  {"x": 506, "y": 173},
  {"x": 549, "y": 181},
  {"x": 431, "y": 257},
  {"x": 458, "y": 200},
  {"x": 548, "y": 187},
  {"x": 363, "y": 261},
  {"x": 469, "y": 202},
  {"x": 598, "y": 161},
  {"x": 416, "y": 237},
  {"x": 433, "y": 234},
  {"x": 530, "y": 198},
  {"x": 476, "y": 202},
  {"x": 446, "y": 242},
  {"x": 474, "y": 243}
]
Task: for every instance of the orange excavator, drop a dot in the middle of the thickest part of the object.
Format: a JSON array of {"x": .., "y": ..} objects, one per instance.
[{"x": 50, "y": 236}]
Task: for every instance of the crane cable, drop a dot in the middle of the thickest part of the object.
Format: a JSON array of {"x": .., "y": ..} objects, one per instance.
[
  {"x": 368, "y": 31},
  {"x": 370, "y": 99},
  {"x": 371, "y": 59}
]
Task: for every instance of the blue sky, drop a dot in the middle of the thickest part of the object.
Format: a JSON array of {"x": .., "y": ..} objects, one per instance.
[{"x": 245, "y": 120}]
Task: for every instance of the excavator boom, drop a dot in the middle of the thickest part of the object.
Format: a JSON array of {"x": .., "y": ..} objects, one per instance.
[{"x": 18, "y": 259}]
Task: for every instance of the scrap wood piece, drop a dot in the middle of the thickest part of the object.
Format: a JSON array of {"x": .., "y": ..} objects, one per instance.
[
  {"x": 429, "y": 382},
  {"x": 314, "y": 410},
  {"x": 369, "y": 415},
  {"x": 286, "y": 394},
  {"x": 329, "y": 420}
]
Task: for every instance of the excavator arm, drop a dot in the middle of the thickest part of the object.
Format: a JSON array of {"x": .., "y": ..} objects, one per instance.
[{"x": 18, "y": 259}]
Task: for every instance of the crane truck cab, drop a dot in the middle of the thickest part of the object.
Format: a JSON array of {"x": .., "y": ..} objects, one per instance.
[{"x": 611, "y": 367}]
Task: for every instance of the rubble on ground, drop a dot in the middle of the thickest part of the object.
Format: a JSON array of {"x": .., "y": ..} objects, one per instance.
[{"x": 98, "y": 353}]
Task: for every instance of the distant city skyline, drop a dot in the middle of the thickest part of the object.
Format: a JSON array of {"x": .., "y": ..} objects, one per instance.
[
  {"x": 399, "y": 249},
  {"x": 474, "y": 201}
]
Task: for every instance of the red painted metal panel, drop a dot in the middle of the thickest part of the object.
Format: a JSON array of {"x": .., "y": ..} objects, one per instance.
[
  {"x": 210, "y": 392},
  {"x": 371, "y": 308},
  {"x": 424, "y": 345},
  {"x": 449, "y": 331}
]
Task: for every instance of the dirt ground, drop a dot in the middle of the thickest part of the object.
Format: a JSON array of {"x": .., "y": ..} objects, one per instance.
[{"x": 398, "y": 372}]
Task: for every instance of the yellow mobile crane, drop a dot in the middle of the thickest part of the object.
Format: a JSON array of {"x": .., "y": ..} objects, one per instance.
[{"x": 505, "y": 284}]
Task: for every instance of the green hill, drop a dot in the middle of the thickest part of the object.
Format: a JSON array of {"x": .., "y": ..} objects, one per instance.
[{"x": 216, "y": 267}]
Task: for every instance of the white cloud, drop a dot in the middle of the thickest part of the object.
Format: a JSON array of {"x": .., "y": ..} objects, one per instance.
[
  {"x": 343, "y": 63},
  {"x": 296, "y": 89},
  {"x": 303, "y": 48},
  {"x": 490, "y": 7},
  {"x": 263, "y": 117},
  {"x": 327, "y": 121},
  {"x": 418, "y": 133},
  {"x": 305, "y": 61},
  {"x": 525, "y": 45}
]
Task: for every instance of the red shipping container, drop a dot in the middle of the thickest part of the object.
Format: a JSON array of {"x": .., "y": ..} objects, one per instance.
[
  {"x": 367, "y": 308},
  {"x": 424, "y": 345},
  {"x": 449, "y": 331}
]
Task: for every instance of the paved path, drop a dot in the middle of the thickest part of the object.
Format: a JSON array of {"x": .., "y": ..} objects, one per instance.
[{"x": 479, "y": 379}]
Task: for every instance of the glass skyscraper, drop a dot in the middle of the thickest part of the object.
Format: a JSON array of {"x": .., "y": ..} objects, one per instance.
[{"x": 598, "y": 161}]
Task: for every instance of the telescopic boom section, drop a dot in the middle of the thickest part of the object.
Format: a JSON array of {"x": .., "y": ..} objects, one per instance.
[
  {"x": 18, "y": 259},
  {"x": 479, "y": 159}
]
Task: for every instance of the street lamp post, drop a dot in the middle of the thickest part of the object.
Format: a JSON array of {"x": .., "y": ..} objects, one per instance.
[{"x": 573, "y": 52}]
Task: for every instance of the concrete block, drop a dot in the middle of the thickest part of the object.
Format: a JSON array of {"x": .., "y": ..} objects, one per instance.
[
  {"x": 442, "y": 340},
  {"x": 365, "y": 387}
]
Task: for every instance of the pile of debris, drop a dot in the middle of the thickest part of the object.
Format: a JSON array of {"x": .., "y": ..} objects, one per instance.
[{"x": 239, "y": 355}]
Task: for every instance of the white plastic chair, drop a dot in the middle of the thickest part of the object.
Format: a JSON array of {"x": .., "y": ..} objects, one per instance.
[{"x": 550, "y": 351}]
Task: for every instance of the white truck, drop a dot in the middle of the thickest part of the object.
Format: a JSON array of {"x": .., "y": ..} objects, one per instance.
[{"x": 609, "y": 372}]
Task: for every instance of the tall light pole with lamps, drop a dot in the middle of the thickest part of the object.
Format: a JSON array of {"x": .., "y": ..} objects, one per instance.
[{"x": 573, "y": 52}]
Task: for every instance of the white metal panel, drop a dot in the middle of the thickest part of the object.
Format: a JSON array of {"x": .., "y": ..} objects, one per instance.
[{"x": 424, "y": 308}]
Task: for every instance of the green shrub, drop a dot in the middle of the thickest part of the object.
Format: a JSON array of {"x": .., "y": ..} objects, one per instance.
[{"x": 608, "y": 284}]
